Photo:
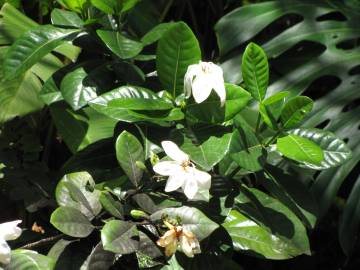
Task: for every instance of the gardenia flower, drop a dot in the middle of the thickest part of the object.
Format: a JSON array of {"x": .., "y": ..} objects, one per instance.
[
  {"x": 8, "y": 231},
  {"x": 182, "y": 172},
  {"x": 178, "y": 235},
  {"x": 201, "y": 79}
]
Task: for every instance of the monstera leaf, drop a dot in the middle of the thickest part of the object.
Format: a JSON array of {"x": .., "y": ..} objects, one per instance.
[{"x": 324, "y": 67}]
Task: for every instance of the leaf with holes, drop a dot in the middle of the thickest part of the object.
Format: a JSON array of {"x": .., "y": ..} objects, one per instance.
[
  {"x": 177, "y": 49},
  {"x": 191, "y": 218},
  {"x": 128, "y": 151},
  {"x": 71, "y": 221},
  {"x": 255, "y": 70},
  {"x": 300, "y": 149},
  {"x": 336, "y": 152},
  {"x": 120, "y": 237}
]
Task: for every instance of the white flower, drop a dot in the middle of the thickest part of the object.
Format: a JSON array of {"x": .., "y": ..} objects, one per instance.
[
  {"x": 182, "y": 172},
  {"x": 8, "y": 231},
  {"x": 176, "y": 235},
  {"x": 201, "y": 79}
]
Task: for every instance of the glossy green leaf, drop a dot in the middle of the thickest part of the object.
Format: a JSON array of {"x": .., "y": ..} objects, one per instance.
[
  {"x": 300, "y": 149},
  {"x": 155, "y": 33},
  {"x": 295, "y": 110},
  {"x": 58, "y": 248},
  {"x": 88, "y": 125},
  {"x": 251, "y": 159},
  {"x": 287, "y": 234},
  {"x": 336, "y": 152},
  {"x": 99, "y": 259},
  {"x": 255, "y": 70},
  {"x": 350, "y": 220},
  {"x": 191, "y": 219},
  {"x": 293, "y": 193},
  {"x": 18, "y": 96},
  {"x": 177, "y": 49},
  {"x": 210, "y": 111},
  {"x": 128, "y": 151},
  {"x": 31, "y": 47},
  {"x": 270, "y": 109},
  {"x": 50, "y": 92},
  {"x": 74, "y": 5},
  {"x": 71, "y": 221},
  {"x": 122, "y": 46},
  {"x": 111, "y": 205},
  {"x": 120, "y": 237},
  {"x": 62, "y": 17},
  {"x": 22, "y": 259},
  {"x": 73, "y": 191},
  {"x": 107, "y": 6},
  {"x": 208, "y": 150},
  {"x": 77, "y": 88}
]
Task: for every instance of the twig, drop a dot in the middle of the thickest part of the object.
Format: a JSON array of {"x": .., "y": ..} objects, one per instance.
[{"x": 42, "y": 242}]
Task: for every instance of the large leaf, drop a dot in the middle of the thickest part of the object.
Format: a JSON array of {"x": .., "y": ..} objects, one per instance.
[
  {"x": 129, "y": 151},
  {"x": 77, "y": 88},
  {"x": 336, "y": 152},
  {"x": 300, "y": 149},
  {"x": 18, "y": 96},
  {"x": 205, "y": 150},
  {"x": 155, "y": 33},
  {"x": 288, "y": 234},
  {"x": 66, "y": 18},
  {"x": 73, "y": 191},
  {"x": 211, "y": 111},
  {"x": 22, "y": 259},
  {"x": 191, "y": 219},
  {"x": 119, "y": 44},
  {"x": 71, "y": 222},
  {"x": 32, "y": 47},
  {"x": 251, "y": 159},
  {"x": 177, "y": 49},
  {"x": 99, "y": 259},
  {"x": 120, "y": 237},
  {"x": 88, "y": 125},
  {"x": 255, "y": 71}
]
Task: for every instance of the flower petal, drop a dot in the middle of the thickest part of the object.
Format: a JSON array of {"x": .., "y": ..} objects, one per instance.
[
  {"x": 173, "y": 151},
  {"x": 10, "y": 230},
  {"x": 192, "y": 70},
  {"x": 203, "y": 178},
  {"x": 190, "y": 187},
  {"x": 221, "y": 92},
  {"x": 4, "y": 252},
  {"x": 185, "y": 246},
  {"x": 174, "y": 182},
  {"x": 201, "y": 88},
  {"x": 171, "y": 248},
  {"x": 167, "y": 168}
]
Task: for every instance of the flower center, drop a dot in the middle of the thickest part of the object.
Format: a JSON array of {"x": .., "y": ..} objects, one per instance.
[
  {"x": 206, "y": 68},
  {"x": 186, "y": 164}
]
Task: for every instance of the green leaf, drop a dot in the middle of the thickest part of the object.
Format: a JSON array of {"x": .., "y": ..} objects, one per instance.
[
  {"x": 74, "y": 5},
  {"x": 177, "y": 49},
  {"x": 287, "y": 234},
  {"x": 251, "y": 159},
  {"x": 31, "y": 47},
  {"x": 77, "y": 88},
  {"x": 73, "y": 191},
  {"x": 350, "y": 220},
  {"x": 270, "y": 109},
  {"x": 128, "y": 151},
  {"x": 191, "y": 218},
  {"x": 18, "y": 96},
  {"x": 291, "y": 192},
  {"x": 22, "y": 259},
  {"x": 71, "y": 221},
  {"x": 107, "y": 6},
  {"x": 50, "y": 93},
  {"x": 88, "y": 125},
  {"x": 120, "y": 237},
  {"x": 155, "y": 33},
  {"x": 122, "y": 46},
  {"x": 336, "y": 152},
  {"x": 208, "y": 150},
  {"x": 295, "y": 110},
  {"x": 255, "y": 70},
  {"x": 300, "y": 149},
  {"x": 66, "y": 18},
  {"x": 99, "y": 259},
  {"x": 111, "y": 205},
  {"x": 210, "y": 111}
]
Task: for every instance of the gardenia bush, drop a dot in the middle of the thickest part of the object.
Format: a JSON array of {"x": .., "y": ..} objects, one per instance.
[{"x": 205, "y": 167}]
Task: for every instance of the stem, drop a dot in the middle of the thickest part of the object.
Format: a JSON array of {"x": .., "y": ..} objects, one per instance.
[
  {"x": 166, "y": 10},
  {"x": 273, "y": 137},
  {"x": 42, "y": 242},
  {"x": 257, "y": 124}
]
